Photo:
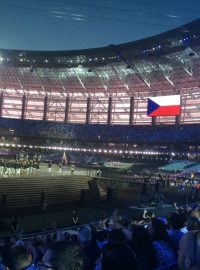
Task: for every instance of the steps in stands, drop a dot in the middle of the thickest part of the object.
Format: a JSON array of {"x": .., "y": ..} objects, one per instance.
[{"x": 24, "y": 192}]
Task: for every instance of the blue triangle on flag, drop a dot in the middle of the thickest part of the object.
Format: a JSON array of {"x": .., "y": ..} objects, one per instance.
[{"x": 152, "y": 106}]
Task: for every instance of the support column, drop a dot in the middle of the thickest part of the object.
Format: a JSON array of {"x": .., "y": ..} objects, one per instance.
[
  {"x": 88, "y": 110},
  {"x": 109, "y": 111},
  {"x": 23, "y": 107},
  {"x": 131, "y": 111},
  {"x": 177, "y": 119},
  {"x": 153, "y": 120},
  {"x": 45, "y": 108},
  {"x": 1, "y": 103},
  {"x": 66, "y": 120}
]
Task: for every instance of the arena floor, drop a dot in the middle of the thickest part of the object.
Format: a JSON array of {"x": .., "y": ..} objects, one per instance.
[
  {"x": 43, "y": 171},
  {"x": 31, "y": 219}
]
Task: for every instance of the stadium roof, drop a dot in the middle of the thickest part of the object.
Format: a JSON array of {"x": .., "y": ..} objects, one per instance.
[
  {"x": 165, "y": 43},
  {"x": 165, "y": 64}
]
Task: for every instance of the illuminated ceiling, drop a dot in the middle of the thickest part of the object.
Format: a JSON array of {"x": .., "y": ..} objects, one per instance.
[{"x": 169, "y": 64}]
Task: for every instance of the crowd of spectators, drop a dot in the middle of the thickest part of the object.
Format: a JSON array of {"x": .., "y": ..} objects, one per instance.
[
  {"x": 164, "y": 179},
  {"x": 115, "y": 133},
  {"x": 154, "y": 243}
]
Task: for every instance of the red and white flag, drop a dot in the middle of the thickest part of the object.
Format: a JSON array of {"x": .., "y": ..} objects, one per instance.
[{"x": 164, "y": 106}]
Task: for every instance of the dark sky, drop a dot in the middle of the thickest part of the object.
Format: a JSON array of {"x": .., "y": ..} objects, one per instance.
[{"x": 80, "y": 24}]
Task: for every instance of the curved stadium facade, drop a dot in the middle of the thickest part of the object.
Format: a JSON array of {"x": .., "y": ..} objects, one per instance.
[{"x": 107, "y": 85}]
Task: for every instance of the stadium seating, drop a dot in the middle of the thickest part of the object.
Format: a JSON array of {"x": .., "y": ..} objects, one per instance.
[
  {"x": 186, "y": 134},
  {"x": 23, "y": 192}
]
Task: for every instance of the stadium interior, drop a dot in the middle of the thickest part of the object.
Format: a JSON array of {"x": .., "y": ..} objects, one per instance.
[{"x": 76, "y": 142}]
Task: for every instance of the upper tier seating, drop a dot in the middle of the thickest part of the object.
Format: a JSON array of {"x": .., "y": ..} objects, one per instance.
[{"x": 137, "y": 134}]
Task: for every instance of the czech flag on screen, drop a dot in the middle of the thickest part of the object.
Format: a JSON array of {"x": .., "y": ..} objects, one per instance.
[{"x": 164, "y": 106}]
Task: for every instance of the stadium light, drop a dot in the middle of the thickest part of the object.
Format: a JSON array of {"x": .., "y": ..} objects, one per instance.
[{"x": 99, "y": 150}]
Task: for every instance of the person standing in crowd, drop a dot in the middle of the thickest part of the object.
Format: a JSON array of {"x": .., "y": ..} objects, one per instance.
[
  {"x": 176, "y": 223},
  {"x": 143, "y": 248},
  {"x": 60, "y": 168},
  {"x": 18, "y": 168},
  {"x": 75, "y": 218},
  {"x": 1, "y": 167},
  {"x": 14, "y": 225},
  {"x": 189, "y": 250},
  {"x": 89, "y": 251},
  {"x": 18, "y": 258},
  {"x": 117, "y": 256},
  {"x": 62, "y": 256},
  {"x": 168, "y": 181},
  {"x": 165, "y": 256},
  {"x": 72, "y": 169},
  {"x": 37, "y": 167},
  {"x": 49, "y": 166},
  {"x": 197, "y": 191}
]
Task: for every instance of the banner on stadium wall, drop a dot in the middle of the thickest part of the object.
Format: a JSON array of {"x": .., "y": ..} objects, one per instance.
[{"x": 164, "y": 106}]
